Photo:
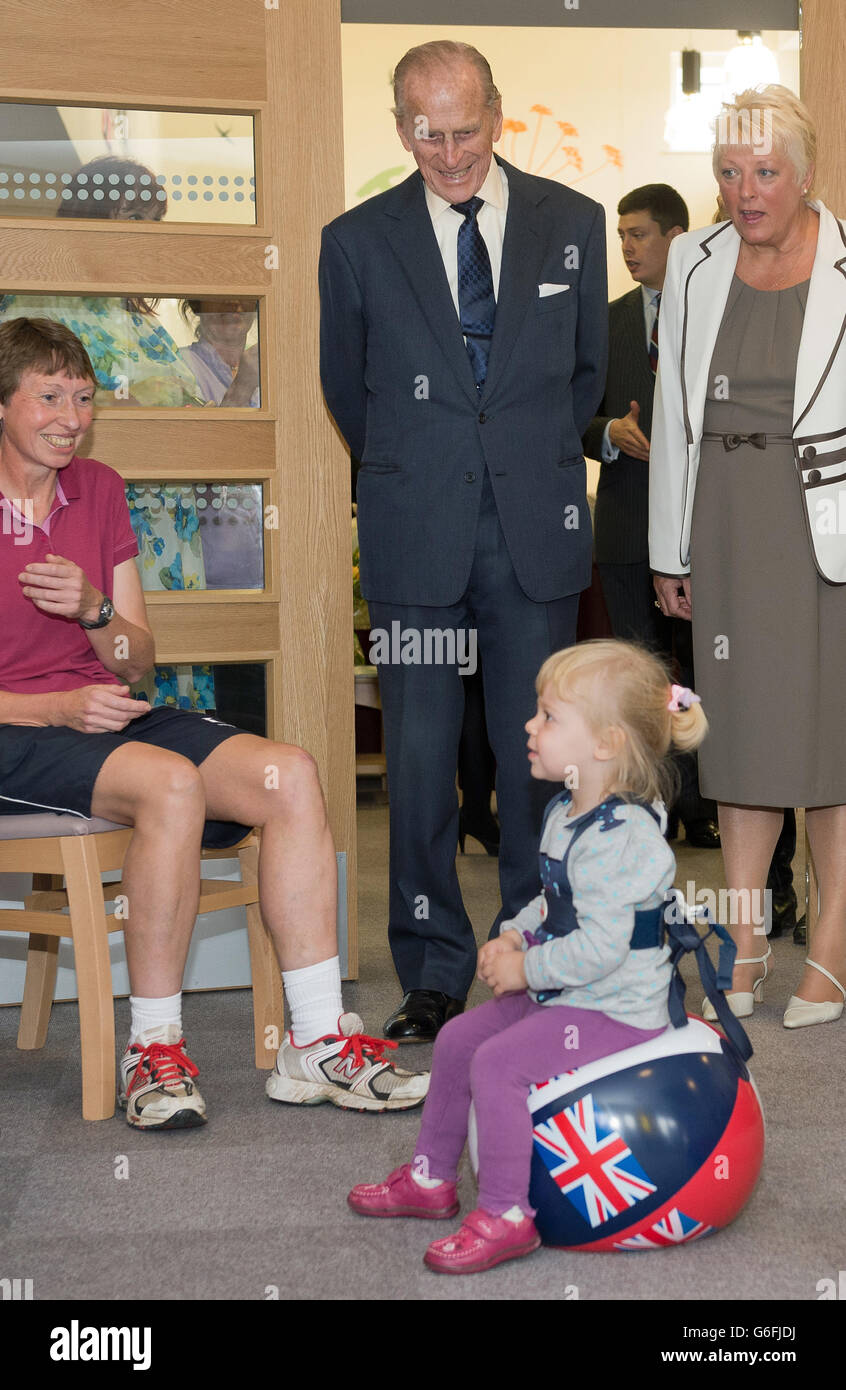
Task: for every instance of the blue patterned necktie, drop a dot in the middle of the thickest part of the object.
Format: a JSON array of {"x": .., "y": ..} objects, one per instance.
[{"x": 476, "y": 303}]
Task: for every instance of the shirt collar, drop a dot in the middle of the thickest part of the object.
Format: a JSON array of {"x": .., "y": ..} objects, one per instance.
[
  {"x": 648, "y": 296},
  {"x": 491, "y": 191}
]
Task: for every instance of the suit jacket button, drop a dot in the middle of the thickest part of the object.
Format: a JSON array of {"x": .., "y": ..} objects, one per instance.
[
  {"x": 810, "y": 453},
  {"x": 482, "y": 418},
  {"x": 469, "y": 477}
]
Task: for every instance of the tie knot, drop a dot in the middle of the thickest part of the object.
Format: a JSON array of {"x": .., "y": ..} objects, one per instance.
[{"x": 468, "y": 209}]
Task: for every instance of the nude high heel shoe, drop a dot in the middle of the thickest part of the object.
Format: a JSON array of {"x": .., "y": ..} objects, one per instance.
[
  {"x": 801, "y": 1012},
  {"x": 743, "y": 1001}
]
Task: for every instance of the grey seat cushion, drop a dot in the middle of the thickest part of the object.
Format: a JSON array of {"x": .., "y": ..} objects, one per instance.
[{"x": 47, "y": 823}]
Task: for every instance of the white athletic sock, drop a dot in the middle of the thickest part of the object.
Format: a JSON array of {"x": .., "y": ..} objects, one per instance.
[
  {"x": 514, "y": 1214},
  {"x": 314, "y": 1000},
  {"x": 154, "y": 1013},
  {"x": 420, "y": 1173}
]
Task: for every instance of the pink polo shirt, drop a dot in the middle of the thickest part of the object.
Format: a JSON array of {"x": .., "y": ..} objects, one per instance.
[{"x": 89, "y": 524}]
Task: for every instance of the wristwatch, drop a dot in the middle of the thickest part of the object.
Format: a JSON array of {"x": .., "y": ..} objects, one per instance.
[{"x": 107, "y": 612}]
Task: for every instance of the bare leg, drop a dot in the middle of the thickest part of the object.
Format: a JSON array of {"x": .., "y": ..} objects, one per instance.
[
  {"x": 276, "y": 786},
  {"x": 827, "y": 836},
  {"x": 749, "y": 835},
  {"x": 161, "y": 794}
]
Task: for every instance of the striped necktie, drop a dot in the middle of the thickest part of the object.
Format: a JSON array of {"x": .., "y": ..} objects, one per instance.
[
  {"x": 476, "y": 303},
  {"x": 653, "y": 341}
]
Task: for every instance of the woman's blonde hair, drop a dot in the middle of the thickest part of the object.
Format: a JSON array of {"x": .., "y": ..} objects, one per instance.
[
  {"x": 622, "y": 685},
  {"x": 764, "y": 116}
]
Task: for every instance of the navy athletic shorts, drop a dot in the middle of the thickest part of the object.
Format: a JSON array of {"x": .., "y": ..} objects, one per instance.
[{"x": 54, "y": 769}]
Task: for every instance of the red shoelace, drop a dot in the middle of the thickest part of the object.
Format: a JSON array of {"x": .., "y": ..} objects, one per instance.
[
  {"x": 360, "y": 1044},
  {"x": 164, "y": 1063}
]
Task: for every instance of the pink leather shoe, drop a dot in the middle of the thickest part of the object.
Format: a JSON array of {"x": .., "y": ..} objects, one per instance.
[
  {"x": 482, "y": 1242},
  {"x": 400, "y": 1195}
]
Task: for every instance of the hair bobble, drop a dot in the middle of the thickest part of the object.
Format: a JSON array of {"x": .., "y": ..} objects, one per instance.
[{"x": 682, "y": 698}]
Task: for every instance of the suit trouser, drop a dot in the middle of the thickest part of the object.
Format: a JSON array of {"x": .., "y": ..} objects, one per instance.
[{"x": 430, "y": 933}]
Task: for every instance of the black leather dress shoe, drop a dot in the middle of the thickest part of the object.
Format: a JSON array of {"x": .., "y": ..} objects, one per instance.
[
  {"x": 702, "y": 834},
  {"x": 421, "y": 1015}
]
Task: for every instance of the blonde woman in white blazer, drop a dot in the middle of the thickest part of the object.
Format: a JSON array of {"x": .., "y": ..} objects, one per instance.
[{"x": 747, "y": 517}]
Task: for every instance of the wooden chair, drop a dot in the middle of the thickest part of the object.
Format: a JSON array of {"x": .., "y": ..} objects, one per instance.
[{"x": 52, "y": 847}]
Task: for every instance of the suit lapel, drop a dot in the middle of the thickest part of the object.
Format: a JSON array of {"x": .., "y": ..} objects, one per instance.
[
  {"x": 634, "y": 330},
  {"x": 825, "y": 314},
  {"x": 412, "y": 237},
  {"x": 522, "y": 255},
  {"x": 704, "y": 301}
]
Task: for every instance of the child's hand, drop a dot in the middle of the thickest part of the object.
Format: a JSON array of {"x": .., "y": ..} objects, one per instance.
[
  {"x": 504, "y": 972},
  {"x": 509, "y": 940}
]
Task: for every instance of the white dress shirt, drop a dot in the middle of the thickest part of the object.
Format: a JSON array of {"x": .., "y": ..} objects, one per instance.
[{"x": 490, "y": 220}]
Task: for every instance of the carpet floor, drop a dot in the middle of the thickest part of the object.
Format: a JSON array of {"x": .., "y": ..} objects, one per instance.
[{"x": 252, "y": 1206}]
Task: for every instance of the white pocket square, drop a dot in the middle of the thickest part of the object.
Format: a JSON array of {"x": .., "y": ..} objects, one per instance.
[{"x": 549, "y": 288}]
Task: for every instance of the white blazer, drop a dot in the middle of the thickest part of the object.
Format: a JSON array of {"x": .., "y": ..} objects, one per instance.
[{"x": 700, "y": 269}]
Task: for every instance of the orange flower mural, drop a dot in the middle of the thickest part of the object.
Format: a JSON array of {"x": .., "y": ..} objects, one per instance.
[{"x": 572, "y": 160}]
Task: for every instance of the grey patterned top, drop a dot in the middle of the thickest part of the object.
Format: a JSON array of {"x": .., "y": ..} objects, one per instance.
[{"x": 612, "y": 874}]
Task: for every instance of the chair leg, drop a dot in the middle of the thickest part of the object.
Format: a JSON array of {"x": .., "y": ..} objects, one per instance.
[
  {"x": 268, "y": 1006},
  {"x": 39, "y": 987},
  {"x": 93, "y": 975}
]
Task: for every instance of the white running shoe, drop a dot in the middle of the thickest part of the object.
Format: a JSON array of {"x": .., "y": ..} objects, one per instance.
[
  {"x": 157, "y": 1088},
  {"x": 347, "y": 1068}
]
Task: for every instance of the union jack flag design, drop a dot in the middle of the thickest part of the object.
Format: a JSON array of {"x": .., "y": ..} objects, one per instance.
[
  {"x": 591, "y": 1162},
  {"x": 673, "y": 1229}
]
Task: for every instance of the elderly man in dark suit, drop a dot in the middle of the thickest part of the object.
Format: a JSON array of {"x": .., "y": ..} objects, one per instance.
[
  {"x": 649, "y": 220},
  {"x": 463, "y": 353}
]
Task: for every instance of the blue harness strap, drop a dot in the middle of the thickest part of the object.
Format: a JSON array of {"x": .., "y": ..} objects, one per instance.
[
  {"x": 683, "y": 936},
  {"x": 673, "y": 921}
]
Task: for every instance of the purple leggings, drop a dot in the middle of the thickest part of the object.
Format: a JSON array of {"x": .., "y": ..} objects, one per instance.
[{"x": 491, "y": 1055}]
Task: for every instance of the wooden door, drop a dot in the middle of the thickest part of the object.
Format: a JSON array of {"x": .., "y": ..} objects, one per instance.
[{"x": 278, "y": 63}]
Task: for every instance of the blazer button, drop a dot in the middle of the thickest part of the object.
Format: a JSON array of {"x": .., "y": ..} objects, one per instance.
[
  {"x": 810, "y": 453},
  {"x": 469, "y": 477},
  {"x": 482, "y": 418}
]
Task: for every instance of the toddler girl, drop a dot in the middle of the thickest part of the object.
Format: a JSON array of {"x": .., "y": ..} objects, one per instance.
[{"x": 579, "y": 973}]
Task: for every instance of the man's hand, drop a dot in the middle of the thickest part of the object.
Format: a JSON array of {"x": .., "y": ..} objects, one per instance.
[
  {"x": 626, "y": 435},
  {"x": 509, "y": 940},
  {"x": 59, "y": 587},
  {"x": 98, "y": 709},
  {"x": 673, "y": 595}
]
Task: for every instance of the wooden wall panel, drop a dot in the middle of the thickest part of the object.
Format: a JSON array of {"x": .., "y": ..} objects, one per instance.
[
  {"x": 284, "y": 64},
  {"x": 196, "y": 446},
  {"x": 823, "y": 89},
  {"x": 305, "y": 190},
  {"x": 149, "y": 51},
  {"x": 85, "y": 260}
]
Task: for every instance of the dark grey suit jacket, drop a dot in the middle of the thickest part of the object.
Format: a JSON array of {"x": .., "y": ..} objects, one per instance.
[
  {"x": 620, "y": 519},
  {"x": 398, "y": 381}
]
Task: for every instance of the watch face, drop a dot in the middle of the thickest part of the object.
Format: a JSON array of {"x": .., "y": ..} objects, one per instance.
[{"x": 107, "y": 610}]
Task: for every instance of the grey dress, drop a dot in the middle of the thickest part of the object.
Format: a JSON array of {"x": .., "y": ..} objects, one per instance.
[{"x": 769, "y": 635}]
